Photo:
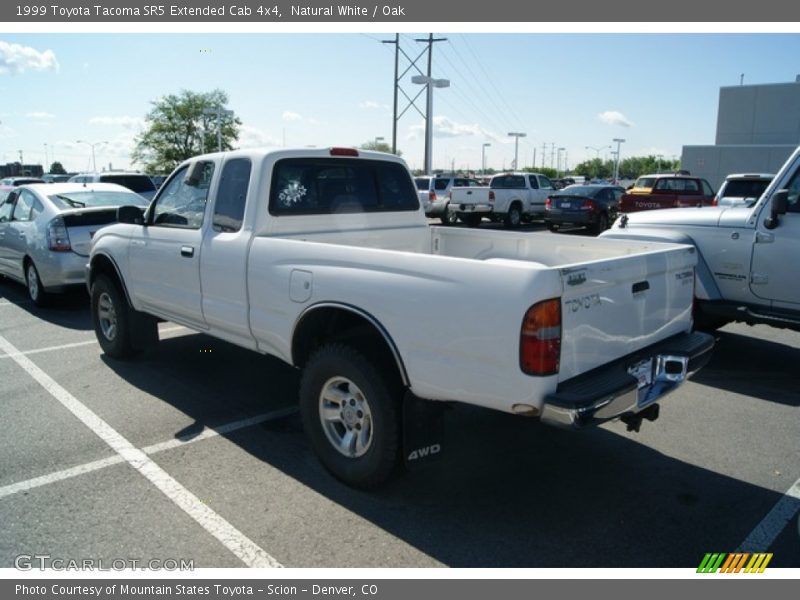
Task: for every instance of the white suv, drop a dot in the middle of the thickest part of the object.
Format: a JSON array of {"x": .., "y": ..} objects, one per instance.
[
  {"x": 433, "y": 194},
  {"x": 136, "y": 182}
]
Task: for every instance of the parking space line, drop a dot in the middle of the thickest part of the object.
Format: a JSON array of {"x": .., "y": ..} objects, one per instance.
[
  {"x": 771, "y": 526},
  {"x": 96, "y": 465},
  {"x": 234, "y": 540},
  {"x": 78, "y": 344}
]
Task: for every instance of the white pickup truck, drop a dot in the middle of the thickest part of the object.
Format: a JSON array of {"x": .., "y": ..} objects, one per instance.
[
  {"x": 747, "y": 256},
  {"x": 510, "y": 197},
  {"x": 324, "y": 259}
]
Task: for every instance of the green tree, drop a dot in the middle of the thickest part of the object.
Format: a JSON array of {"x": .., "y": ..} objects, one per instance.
[
  {"x": 377, "y": 146},
  {"x": 183, "y": 125},
  {"x": 57, "y": 169}
]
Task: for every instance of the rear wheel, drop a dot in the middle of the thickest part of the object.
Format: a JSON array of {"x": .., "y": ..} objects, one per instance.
[
  {"x": 602, "y": 223},
  {"x": 514, "y": 216},
  {"x": 36, "y": 291},
  {"x": 448, "y": 218},
  {"x": 553, "y": 227},
  {"x": 350, "y": 415}
]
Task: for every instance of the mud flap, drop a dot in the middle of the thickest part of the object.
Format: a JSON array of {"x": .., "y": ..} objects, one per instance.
[{"x": 423, "y": 431}]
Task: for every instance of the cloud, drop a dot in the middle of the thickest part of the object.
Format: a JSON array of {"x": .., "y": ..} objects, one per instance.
[
  {"x": 444, "y": 127},
  {"x": 123, "y": 121},
  {"x": 613, "y": 117},
  {"x": 371, "y": 104},
  {"x": 15, "y": 59},
  {"x": 252, "y": 137},
  {"x": 292, "y": 116},
  {"x": 39, "y": 115}
]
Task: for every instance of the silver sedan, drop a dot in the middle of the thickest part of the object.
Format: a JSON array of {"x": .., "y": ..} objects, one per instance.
[{"x": 46, "y": 231}]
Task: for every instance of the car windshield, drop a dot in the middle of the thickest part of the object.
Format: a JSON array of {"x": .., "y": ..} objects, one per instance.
[
  {"x": 645, "y": 182},
  {"x": 91, "y": 198},
  {"x": 136, "y": 183},
  {"x": 422, "y": 183},
  {"x": 745, "y": 188},
  {"x": 586, "y": 191}
]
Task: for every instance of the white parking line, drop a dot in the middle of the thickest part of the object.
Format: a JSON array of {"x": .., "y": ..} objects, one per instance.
[
  {"x": 234, "y": 540},
  {"x": 79, "y": 344},
  {"x": 771, "y": 526},
  {"x": 96, "y": 465}
]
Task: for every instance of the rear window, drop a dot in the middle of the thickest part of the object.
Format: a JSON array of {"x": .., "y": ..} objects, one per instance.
[
  {"x": 136, "y": 183},
  {"x": 508, "y": 182},
  {"x": 744, "y": 188},
  {"x": 96, "y": 198},
  {"x": 340, "y": 185},
  {"x": 423, "y": 184},
  {"x": 585, "y": 191},
  {"x": 645, "y": 182},
  {"x": 441, "y": 184}
]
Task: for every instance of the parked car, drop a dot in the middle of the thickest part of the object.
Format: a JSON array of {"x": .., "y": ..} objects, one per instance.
[
  {"x": 137, "y": 182},
  {"x": 666, "y": 190},
  {"x": 742, "y": 189},
  {"x": 53, "y": 178},
  {"x": 15, "y": 181},
  {"x": 46, "y": 230},
  {"x": 434, "y": 193},
  {"x": 592, "y": 206}
]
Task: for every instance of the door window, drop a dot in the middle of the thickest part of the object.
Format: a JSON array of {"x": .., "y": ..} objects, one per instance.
[
  {"x": 182, "y": 203},
  {"x": 232, "y": 195},
  {"x": 25, "y": 202}
]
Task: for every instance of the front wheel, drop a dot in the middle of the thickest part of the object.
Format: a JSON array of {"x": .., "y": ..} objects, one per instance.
[
  {"x": 111, "y": 318},
  {"x": 350, "y": 415}
]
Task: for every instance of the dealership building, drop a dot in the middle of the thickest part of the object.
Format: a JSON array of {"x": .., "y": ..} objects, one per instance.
[{"x": 758, "y": 127}]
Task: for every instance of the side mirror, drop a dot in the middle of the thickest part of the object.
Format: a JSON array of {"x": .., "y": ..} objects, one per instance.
[
  {"x": 779, "y": 205},
  {"x": 132, "y": 215},
  {"x": 195, "y": 174}
]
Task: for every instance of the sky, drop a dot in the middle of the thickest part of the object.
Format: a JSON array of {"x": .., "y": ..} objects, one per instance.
[{"x": 657, "y": 91}]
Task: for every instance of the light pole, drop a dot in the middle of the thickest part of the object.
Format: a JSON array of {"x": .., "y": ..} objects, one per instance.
[
  {"x": 378, "y": 140},
  {"x": 431, "y": 83},
  {"x": 45, "y": 158},
  {"x": 516, "y": 135},
  {"x": 558, "y": 162},
  {"x": 218, "y": 112},
  {"x": 483, "y": 157},
  {"x": 616, "y": 162},
  {"x": 92, "y": 145}
]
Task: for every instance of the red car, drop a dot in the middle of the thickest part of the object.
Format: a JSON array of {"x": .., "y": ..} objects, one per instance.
[{"x": 666, "y": 191}]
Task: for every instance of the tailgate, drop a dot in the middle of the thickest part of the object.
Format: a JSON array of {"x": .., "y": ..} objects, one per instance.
[
  {"x": 469, "y": 195},
  {"x": 611, "y": 308},
  {"x": 82, "y": 225}
]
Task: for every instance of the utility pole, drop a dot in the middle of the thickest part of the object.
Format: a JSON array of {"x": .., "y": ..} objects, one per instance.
[
  {"x": 552, "y": 154},
  {"x": 544, "y": 153},
  {"x": 516, "y": 135},
  {"x": 396, "y": 43},
  {"x": 429, "y": 90}
]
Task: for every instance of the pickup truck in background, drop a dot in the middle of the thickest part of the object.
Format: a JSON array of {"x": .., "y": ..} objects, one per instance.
[
  {"x": 666, "y": 190},
  {"x": 324, "y": 259},
  {"x": 747, "y": 255},
  {"x": 511, "y": 198}
]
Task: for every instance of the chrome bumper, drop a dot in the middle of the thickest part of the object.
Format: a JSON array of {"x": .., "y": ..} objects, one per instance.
[{"x": 611, "y": 391}]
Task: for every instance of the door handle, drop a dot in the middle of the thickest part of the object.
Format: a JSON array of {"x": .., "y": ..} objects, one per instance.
[{"x": 187, "y": 251}]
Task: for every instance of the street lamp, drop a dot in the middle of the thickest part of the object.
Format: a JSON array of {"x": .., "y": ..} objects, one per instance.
[
  {"x": 616, "y": 162},
  {"x": 378, "y": 140},
  {"x": 516, "y": 136},
  {"x": 92, "y": 145},
  {"x": 431, "y": 83},
  {"x": 218, "y": 112},
  {"x": 483, "y": 157}
]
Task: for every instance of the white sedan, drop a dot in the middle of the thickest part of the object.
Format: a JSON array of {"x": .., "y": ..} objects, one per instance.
[{"x": 46, "y": 231}]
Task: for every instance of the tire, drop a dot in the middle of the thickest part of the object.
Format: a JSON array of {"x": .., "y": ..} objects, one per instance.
[
  {"x": 553, "y": 227},
  {"x": 111, "y": 316},
  {"x": 472, "y": 220},
  {"x": 36, "y": 291},
  {"x": 350, "y": 416},
  {"x": 601, "y": 225},
  {"x": 513, "y": 217},
  {"x": 448, "y": 218},
  {"x": 705, "y": 322}
]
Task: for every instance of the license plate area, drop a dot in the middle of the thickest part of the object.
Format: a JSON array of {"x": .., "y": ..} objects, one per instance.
[
  {"x": 643, "y": 372},
  {"x": 657, "y": 375}
]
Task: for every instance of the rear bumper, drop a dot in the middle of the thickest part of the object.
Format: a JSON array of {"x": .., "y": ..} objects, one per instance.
[
  {"x": 572, "y": 218},
  {"x": 610, "y": 392},
  {"x": 468, "y": 209}
]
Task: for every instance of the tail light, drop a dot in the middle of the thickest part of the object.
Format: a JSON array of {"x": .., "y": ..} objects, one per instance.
[
  {"x": 343, "y": 152},
  {"x": 548, "y": 204},
  {"x": 540, "y": 338},
  {"x": 58, "y": 236},
  {"x": 491, "y": 195},
  {"x": 432, "y": 196},
  {"x": 588, "y": 205}
]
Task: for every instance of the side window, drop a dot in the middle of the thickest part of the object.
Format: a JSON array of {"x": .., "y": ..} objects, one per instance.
[
  {"x": 181, "y": 203},
  {"x": 794, "y": 193},
  {"x": 460, "y": 182},
  {"x": 7, "y": 208},
  {"x": 546, "y": 183},
  {"x": 662, "y": 185},
  {"x": 232, "y": 195},
  {"x": 440, "y": 185},
  {"x": 516, "y": 181},
  {"x": 534, "y": 183},
  {"x": 707, "y": 189},
  {"x": 25, "y": 202},
  {"x": 474, "y": 183},
  {"x": 690, "y": 185}
]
